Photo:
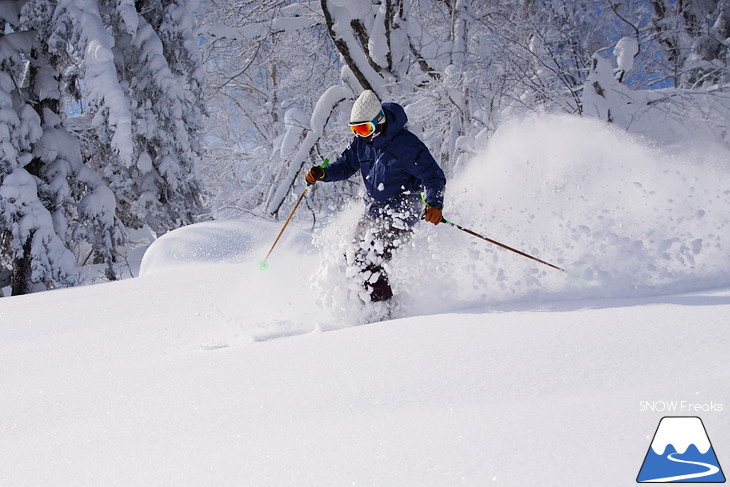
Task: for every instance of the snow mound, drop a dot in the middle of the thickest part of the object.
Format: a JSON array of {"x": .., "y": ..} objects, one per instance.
[
  {"x": 207, "y": 242},
  {"x": 237, "y": 294}
]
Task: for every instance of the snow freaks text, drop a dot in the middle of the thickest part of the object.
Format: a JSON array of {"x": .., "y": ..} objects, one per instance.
[{"x": 681, "y": 407}]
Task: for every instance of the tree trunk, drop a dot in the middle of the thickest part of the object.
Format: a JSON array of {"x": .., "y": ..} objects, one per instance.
[
  {"x": 20, "y": 281},
  {"x": 344, "y": 49}
]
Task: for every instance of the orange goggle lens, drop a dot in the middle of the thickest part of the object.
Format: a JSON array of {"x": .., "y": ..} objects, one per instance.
[{"x": 364, "y": 129}]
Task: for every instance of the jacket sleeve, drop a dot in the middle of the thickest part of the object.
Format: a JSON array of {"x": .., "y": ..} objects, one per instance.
[
  {"x": 427, "y": 170},
  {"x": 345, "y": 166}
]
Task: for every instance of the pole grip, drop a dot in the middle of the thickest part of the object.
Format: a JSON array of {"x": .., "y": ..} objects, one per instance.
[{"x": 323, "y": 165}]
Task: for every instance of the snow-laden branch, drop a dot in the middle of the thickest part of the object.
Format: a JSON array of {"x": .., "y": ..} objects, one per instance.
[
  {"x": 322, "y": 111},
  {"x": 341, "y": 19},
  {"x": 258, "y": 31},
  {"x": 100, "y": 75}
]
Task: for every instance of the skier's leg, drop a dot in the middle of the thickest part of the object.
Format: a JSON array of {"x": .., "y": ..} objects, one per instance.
[
  {"x": 375, "y": 241},
  {"x": 366, "y": 261},
  {"x": 377, "y": 284}
]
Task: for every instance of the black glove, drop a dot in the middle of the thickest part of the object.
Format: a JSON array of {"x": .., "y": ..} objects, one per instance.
[{"x": 315, "y": 174}]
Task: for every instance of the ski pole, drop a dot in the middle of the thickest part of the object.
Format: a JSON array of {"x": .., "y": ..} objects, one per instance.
[
  {"x": 262, "y": 264},
  {"x": 470, "y": 232}
]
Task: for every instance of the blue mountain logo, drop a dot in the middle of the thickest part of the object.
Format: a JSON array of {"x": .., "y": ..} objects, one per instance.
[{"x": 681, "y": 452}]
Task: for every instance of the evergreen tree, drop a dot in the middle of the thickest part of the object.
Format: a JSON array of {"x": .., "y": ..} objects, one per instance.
[
  {"x": 146, "y": 115},
  {"x": 31, "y": 247},
  {"x": 135, "y": 70}
]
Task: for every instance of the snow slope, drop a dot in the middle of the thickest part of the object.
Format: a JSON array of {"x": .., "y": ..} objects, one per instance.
[{"x": 497, "y": 372}]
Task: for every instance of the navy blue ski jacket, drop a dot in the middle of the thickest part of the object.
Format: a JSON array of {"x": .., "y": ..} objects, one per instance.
[{"x": 395, "y": 167}]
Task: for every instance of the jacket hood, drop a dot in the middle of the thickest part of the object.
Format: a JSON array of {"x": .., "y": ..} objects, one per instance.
[{"x": 395, "y": 120}]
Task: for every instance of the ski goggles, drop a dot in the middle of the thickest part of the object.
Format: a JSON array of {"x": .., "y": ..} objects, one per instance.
[{"x": 366, "y": 129}]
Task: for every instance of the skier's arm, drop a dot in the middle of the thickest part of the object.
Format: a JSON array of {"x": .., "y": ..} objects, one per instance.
[
  {"x": 345, "y": 166},
  {"x": 426, "y": 169}
]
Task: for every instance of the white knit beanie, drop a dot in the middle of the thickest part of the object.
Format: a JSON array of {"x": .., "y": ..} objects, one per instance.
[{"x": 366, "y": 107}]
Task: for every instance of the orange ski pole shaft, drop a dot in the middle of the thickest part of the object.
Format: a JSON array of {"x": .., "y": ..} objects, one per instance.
[{"x": 263, "y": 264}]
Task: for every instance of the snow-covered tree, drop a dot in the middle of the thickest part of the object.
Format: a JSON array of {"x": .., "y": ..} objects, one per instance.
[
  {"x": 83, "y": 206},
  {"x": 268, "y": 65},
  {"x": 65, "y": 195},
  {"x": 31, "y": 248},
  {"x": 693, "y": 35},
  {"x": 284, "y": 74},
  {"x": 141, "y": 80}
]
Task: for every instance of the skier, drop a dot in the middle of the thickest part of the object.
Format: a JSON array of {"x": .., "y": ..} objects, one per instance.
[{"x": 395, "y": 167}]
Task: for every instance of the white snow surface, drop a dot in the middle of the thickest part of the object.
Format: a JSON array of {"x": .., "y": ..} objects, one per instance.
[{"x": 496, "y": 370}]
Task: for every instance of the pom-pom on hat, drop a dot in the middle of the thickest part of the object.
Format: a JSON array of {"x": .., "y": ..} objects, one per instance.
[{"x": 366, "y": 107}]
